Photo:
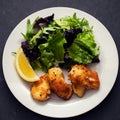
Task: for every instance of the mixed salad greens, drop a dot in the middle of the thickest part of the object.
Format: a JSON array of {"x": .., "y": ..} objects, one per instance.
[{"x": 63, "y": 42}]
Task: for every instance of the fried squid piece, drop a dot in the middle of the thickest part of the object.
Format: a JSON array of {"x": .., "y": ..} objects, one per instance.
[
  {"x": 78, "y": 90},
  {"x": 58, "y": 84},
  {"x": 40, "y": 90},
  {"x": 83, "y": 78}
]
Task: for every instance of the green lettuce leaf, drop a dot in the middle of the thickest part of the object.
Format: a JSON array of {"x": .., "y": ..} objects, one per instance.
[
  {"x": 79, "y": 55},
  {"x": 84, "y": 49},
  {"x": 56, "y": 42},
  {"x": 30, "y": 31}
]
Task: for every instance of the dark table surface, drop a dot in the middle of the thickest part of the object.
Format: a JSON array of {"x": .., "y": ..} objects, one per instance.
[{"x": 13, "y": 11}]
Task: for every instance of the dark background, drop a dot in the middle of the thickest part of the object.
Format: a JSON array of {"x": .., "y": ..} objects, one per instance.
[{"x": 13, "y": 11}]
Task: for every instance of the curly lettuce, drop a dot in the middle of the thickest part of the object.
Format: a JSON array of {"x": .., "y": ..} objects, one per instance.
[{"x": 64, "y": 42}]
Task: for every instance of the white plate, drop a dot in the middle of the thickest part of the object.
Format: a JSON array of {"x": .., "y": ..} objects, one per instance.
[{"x": 55, "y": 107}]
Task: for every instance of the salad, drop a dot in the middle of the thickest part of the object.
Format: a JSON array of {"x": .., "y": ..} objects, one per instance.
[{"x": 60, "y": 42}]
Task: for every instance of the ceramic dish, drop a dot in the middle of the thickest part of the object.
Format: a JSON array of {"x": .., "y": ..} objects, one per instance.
[{"x": 55, "y": 107}]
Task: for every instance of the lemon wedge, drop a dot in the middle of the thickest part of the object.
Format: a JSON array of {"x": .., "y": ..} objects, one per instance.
[{"x": 24, "y": 68}]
